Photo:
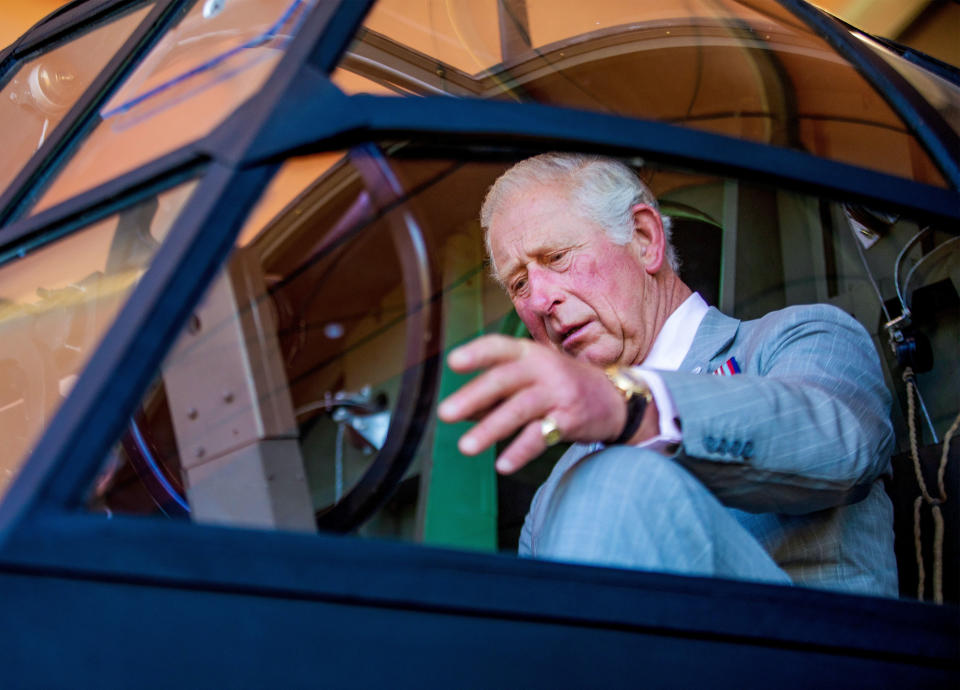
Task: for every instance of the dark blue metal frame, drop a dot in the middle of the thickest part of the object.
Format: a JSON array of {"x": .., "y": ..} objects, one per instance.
[
  {"x": 394, "y": 575},
  {"x": 330, "y": 120},
  {"x": 341, "y": 120},
  {"x": 61, "y": 22},
  {"x": 64, "y": 218},
  {"x": 43, "y": 530}
]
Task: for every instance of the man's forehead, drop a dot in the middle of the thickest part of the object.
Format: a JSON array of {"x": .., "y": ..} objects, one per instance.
[
  {"x": 534, "y": 214},
  {"x": 538, "y": 197},
  {"x": 532, "y": 224}
]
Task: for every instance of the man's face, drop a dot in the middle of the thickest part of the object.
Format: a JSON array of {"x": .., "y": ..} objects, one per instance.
[{"x": 572, "y": 286}]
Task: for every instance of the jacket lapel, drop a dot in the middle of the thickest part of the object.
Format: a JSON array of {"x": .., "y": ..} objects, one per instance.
[{"x": 714, "y": 337}]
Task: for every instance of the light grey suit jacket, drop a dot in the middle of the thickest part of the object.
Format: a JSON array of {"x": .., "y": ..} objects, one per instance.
[{"x": 796, "y": 444}]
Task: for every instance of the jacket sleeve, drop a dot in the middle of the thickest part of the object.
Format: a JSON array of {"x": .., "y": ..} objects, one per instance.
[{"x": 806, "y": 425}]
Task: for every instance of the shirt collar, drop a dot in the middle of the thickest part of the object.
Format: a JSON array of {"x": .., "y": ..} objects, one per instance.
[{"x": 675, "y": 338}]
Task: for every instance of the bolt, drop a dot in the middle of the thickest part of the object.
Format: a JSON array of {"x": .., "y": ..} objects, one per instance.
[
  {"x": 201, "y": 451},
  {"x": 228, "y": 397},
  {"x": 192, "y": 413}
]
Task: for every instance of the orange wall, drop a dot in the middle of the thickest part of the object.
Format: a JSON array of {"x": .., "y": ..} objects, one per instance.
[
  {"x": 885, "y": 17},
  {"x": 16, "y": 16}
]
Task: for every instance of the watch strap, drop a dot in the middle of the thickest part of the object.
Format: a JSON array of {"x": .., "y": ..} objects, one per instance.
[
  {"x": 637, "y": 395},
  {"x": 636, "y": 406}
]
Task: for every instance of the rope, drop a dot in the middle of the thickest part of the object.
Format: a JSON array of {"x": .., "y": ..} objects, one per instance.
[
  {"x": 941, "y": 474},
  {"x": 935, "y": 503},
  {"x": 917, "y": 541}
]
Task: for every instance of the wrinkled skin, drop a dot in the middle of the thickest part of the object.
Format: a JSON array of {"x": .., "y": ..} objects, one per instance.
[{"x": 587, "y": 302}]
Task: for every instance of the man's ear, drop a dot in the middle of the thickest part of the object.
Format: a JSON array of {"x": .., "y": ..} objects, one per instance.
[{"x": 648, "y": 236}]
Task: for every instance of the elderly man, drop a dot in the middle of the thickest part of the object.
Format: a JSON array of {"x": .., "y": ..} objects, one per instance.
[{"x": 770, "y": 472}]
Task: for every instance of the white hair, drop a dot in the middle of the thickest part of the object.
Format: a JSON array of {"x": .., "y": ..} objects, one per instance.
[{"x": 604, "y": 190}]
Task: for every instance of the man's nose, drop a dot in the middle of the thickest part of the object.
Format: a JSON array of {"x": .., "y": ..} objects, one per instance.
[{"x": 545, "y": 291}]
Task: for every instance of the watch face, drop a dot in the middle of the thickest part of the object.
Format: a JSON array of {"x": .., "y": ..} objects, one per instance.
[
  {"x": 619, "y": 378},
  {"x": 628, "y": 384}
]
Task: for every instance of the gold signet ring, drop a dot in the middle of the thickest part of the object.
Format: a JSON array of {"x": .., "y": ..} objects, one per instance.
[{"x": 550, "y": 431}]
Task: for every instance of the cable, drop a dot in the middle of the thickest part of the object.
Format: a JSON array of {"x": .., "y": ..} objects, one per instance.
[
  {"x": 896, "y": 268},
  {"x": 906, "y": 282},
  {"x": 873, "y": 282},
  {"x": 905, "y": 313}
]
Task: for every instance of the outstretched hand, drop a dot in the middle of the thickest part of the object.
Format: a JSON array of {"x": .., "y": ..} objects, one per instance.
[{"x": 524, "y": 382}]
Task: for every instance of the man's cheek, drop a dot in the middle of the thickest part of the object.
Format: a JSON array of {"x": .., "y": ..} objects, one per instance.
[{"x": 534, "y": 326}]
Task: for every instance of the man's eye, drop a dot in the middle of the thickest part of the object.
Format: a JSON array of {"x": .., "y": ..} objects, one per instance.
[
  {"x": 519, "y": 286},
  {"x": 557, "y": 257}
]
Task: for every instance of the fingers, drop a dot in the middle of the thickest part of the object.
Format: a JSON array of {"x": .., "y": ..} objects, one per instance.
[
  {"x": 487, "y": 351},
  {"x": 484, "y": 392},
  {"x": 503, "y": 421},
  {"x": 525, "y": 447},
  {"x": 514, "y": 393}
]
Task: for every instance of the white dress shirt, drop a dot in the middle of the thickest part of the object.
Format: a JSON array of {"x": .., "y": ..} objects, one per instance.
[{"x": 668, "y": 352}]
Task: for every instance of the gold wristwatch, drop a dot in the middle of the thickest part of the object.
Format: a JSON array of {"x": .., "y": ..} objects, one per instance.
[{"x": 637, "y": 395}]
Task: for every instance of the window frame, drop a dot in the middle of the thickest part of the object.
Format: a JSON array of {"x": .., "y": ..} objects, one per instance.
[{"x": 43, "y": 528}]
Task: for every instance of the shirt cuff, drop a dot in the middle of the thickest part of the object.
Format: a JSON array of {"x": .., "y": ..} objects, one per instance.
[{"x": 670, "y": 435}]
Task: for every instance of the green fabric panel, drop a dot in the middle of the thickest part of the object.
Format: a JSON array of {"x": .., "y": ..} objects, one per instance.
[{"x": 461, "y": 507}]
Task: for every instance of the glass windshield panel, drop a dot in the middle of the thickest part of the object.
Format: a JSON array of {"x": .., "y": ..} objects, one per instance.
[
  {"x": 56, "y": 302},
  {"x": 463, "y": 34},
  {"x": 308, "y": 340},
  {"x": 300, "y": 363},
  {"x": 213, "y": 60},
  {"x": 742, "y": 69},
  {"x": 44, "y": 88},
  {"x": 940, "y": 93}
]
